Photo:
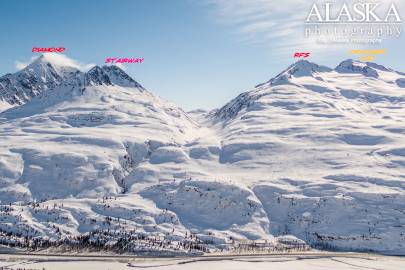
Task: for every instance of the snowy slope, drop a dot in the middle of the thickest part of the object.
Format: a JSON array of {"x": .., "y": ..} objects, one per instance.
[
  {"x": 94, "y": 154},
  {"x": 324, "y": 152},
  {"x": 315, "y": 152}
]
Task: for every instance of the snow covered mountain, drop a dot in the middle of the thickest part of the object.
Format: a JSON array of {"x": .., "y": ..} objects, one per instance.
[
  {"x": 317, "y": 153},
  {"x": 324, "y": 152},
  {"x": 37, "y": 77},
  {"x": 110, "y": 75},
  {"x": 49, "y": 71}
]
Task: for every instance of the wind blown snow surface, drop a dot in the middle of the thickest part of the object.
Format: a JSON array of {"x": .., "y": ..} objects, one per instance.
[
  {"x": 316, "y": 154},
  {"x": 332, "y": 261}
]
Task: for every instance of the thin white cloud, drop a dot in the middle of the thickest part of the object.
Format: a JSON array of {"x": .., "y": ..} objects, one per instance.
[
  {"x": 273, "y": 22},
  {"x": 22, "y": 64},
  {"x": 120, "y": 65},
  {"x": 58, "y": 60},
  {"x": 62, "y": 60},
  {"x": 277, "y": 25}
]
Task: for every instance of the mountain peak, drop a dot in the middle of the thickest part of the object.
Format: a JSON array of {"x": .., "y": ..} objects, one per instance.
[
  {"x": 45, "y": 72},
  {"x": 304, "y": 68},
  {"x": 110, "y": 75},
  {"x": 301, "y": 68},
  {"x": 96, "y": 76},
  {"x": 58, "y": 62},
  {"x": 365, "y": 68},
  {"x": 51, "y": 70},
  {"x": 120, "y": 77}
]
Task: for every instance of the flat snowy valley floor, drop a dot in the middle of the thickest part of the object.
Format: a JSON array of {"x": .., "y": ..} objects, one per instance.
[{"x": 330, "y": 261}]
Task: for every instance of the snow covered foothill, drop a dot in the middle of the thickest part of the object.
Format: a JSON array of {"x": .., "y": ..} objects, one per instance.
[
  {"x": 315, "y": 155},
  {"x": 207, "y": 204},
  {"x": 331, "y": 141}
]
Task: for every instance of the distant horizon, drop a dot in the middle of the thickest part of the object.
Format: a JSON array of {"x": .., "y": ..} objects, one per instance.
[
  {"x": 86, "y": 68},
  {"x": 207, "y": 51}
]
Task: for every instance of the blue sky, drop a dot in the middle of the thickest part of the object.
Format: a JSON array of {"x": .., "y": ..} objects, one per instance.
[{"x": 198, "y": 54}]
